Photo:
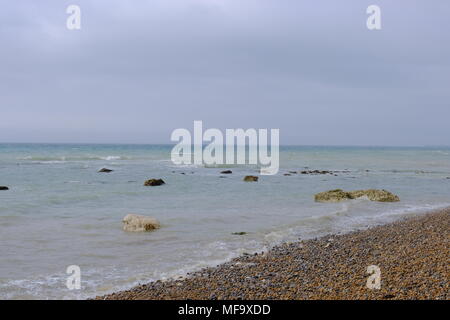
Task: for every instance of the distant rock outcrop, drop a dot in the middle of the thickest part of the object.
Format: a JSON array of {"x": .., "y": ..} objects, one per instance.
[
  {"x": 154, "y": 182},
  {"x": 138, "y": 223},
  {"x": 226, "y": 172},
  {"x": 4, "y": 188},
  {"x": 250, "y": 178},
  {"x": 318, "y": 172},
  {"x": 338, "y": 195},
  {"x": 105, "y": 170}
]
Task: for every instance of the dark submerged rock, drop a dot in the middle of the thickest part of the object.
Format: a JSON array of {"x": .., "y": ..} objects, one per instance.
[
  {"x": 4, "y": 188},
  {"x": 226, "y": 172},
  {"x": 154, "y": 182},
  {"x": 105, "y": 170}
]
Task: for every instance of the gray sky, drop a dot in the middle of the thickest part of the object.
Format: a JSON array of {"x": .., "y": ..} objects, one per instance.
[{"x": 137, "y": 70}]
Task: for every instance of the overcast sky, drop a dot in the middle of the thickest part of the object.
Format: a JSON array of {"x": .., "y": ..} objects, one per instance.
[{"x": 137, "y": 70}]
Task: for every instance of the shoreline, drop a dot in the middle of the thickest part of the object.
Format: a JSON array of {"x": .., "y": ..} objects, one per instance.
[{"x": 412, "y": 254}]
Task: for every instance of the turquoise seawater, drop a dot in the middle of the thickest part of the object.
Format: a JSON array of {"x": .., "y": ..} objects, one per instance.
[{"x": 60, "y": 211}]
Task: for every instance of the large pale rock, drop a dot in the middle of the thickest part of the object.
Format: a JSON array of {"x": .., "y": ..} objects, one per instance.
[
  {"x": 341, "y": 195},
  {"x": 138, "y": 223},
  {"x": 333, "y": 196},
  {"x": 376, "y": 195}
]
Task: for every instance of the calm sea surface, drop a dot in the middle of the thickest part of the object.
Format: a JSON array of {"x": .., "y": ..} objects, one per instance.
[{"x": 60, "y": 211}]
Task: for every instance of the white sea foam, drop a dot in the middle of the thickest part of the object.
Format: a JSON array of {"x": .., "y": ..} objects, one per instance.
[
  {"x": 414, "y": 209},
  {"x": 111, "y": 158},
  {"x": 58, "y": 159}
]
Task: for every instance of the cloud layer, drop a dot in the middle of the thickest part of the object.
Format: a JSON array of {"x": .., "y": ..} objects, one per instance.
[{"x": 138, "y": 70}]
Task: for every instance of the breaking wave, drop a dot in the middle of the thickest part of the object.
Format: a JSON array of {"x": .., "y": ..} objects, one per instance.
[{"x": 58, "y": 159}]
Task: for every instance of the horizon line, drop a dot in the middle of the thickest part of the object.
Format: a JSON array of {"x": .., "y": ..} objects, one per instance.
[{"x": 281, "y": 145}]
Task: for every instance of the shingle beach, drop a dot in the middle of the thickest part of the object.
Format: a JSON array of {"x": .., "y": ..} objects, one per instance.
[{"x": 412, "y": 255}]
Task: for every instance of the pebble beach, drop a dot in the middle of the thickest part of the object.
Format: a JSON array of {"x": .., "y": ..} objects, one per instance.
[{"x": 412, "y": 255}]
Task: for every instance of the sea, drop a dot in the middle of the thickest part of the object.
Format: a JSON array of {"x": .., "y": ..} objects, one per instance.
[{"x": 60, "y": 211}]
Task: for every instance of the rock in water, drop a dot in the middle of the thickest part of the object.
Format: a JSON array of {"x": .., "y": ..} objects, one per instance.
[
  {"x": 341, "y": 195},
  {"x": 316, "y": 172},
  {"x": 333, "y": 196},
  {"x": 251, "y": 178},
  {"x": 376, "y": 195},
  {"x": 4, "y": 188},
  {"x": 226, "y": 172},
  {"x": 106, "y": 170},
  {"x": 137, "y": 223},
  {"x": 154, "y": 182}
]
